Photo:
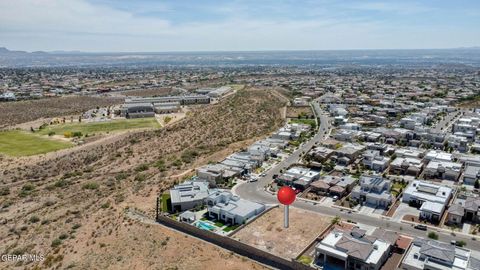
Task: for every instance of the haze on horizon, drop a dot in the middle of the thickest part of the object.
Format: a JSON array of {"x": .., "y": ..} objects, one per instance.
[{"x": 154, "y": 26}]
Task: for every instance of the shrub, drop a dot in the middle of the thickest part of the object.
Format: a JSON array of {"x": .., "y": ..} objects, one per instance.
[
  {"x": 4, "y": 191},
  {"x": 121, "y": 176},
  {"x": 461, "y": 243},
  {"x": 189, "y": 155},
  {"x": 91, "y": 185},
  {"x": 61, "y": 183},
  {"x": 177, "y": 163},
  {"x": 26, "y": 190},
  {"x": 67, "y": 134},
  {"x": 141, "y": 168},
  {"x": 140, "y": 177},
  {"x": 57, "y": 242},
  {"x": 433, "y": 235},
  {"x": 76, "y": 226},
  {"x": 77, "y": 134},
  {"x": 34, "y": 219},
  {"x": 51, "y": 133}
]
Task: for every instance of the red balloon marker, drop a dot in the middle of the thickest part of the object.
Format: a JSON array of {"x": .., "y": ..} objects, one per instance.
[{"x": 286, "y": 196}]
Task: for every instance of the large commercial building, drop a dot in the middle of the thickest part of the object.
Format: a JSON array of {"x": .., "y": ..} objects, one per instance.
[{"x": 135, "y": 107}]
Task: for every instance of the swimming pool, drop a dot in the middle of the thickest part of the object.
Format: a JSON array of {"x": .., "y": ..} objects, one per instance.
[{"x": 205, "y": 226}]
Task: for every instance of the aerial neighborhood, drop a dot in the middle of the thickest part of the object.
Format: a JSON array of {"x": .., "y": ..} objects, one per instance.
[
  {"x": 405, "y": 163},
  {"x": 382, "y": 179}
]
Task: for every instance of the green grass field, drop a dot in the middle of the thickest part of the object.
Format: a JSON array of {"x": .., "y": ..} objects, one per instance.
[
  {"x": 100, "y": 127},
  {"x": 19, "y": 143}
]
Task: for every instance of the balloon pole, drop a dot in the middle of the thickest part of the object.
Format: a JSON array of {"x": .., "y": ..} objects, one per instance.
[{"x": 286, "y": 217}]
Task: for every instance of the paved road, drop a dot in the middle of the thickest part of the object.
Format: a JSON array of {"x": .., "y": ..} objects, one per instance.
[
  {"x": 255, "y": 191},
  {"x": 444, "y": 125},
  {"x": 251, "y": 190}
]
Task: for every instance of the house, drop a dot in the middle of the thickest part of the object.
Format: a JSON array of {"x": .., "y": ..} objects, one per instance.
[
  {"x": 384, "y": 149},
  {"x": 406, "y": 166},
  {"x": 373, "y": 191},
  {"x": 443, "y": 170},
  {"x": 430, "y": 254},
  {"x": 409, "y": 153},
  {"x": 431, "y": 198},
  {"x": 438, "y": 155},
  {"x": 299, "y": 177},
  {"x": 350, "y": 152},
  {"x": 213, "y": 173},
  {"x": 320, "y": 153},
  {"x": 187, "y": 217},
  {"x": 346, "y": 135},
  {"x": 471, "y": 174},
  {"x": 223, "y": 205},
  {"x": 373, "y": 160},
  {"x": 188, "y": 195},
  {"x": 333, "y": 185},
  {"x": 464, "y": 208},
  {"x": 351, "y": 249}
]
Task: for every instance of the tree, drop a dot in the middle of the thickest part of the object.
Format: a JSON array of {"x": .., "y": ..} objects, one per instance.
[
  {"x": 477, "y": 184},
  {"x": 433, "y": 235},
  {"x": 335, "y": 220}
]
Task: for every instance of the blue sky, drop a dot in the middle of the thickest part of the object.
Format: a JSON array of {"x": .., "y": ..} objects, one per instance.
[{"x": 187, "y": 25}]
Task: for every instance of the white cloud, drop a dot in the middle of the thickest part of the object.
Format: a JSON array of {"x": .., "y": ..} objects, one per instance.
[{"x": 80, "y": 25}]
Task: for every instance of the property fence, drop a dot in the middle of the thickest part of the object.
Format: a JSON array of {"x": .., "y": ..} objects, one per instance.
[{"x": 233, "y": 245}]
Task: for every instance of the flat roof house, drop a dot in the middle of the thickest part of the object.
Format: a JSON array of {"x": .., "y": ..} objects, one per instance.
[
  {"x": 406, "y": 166},
  {"x": 351, "y": 249},
  {"x": 471, "y": 174},
  {"x": 212, "y": 173},
  {"x": 443, "y": 170},
  {"x": 373, "y": 191},
  {"x": 188, "y": 195},
  {"x": 431, "y": 254},
  {"x": 223, "y": 205},
  {"x": 431, "y": 198},
  {"x": 299, "y": 177},
  {"x": 373, "y": 160}
]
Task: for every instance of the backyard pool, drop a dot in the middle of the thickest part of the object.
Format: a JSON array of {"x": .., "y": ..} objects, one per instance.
[{"x": 205, "y": 226}]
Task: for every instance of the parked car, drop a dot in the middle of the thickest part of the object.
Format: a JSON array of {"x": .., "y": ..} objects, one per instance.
[
  {"x": 335, "y": 198},
  {"x": 421, "y": 227},
  {"x": 263, "y": 175}
]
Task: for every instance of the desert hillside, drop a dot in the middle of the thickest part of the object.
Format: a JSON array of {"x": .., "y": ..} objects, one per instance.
[{"x": 76, "y": 209}]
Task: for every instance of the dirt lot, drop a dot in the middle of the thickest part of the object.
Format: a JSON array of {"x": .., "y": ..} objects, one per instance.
[
  {"x": 294, "y": 112},
  {"x": 70, "y": 205},
  {"x": 267, "y": 232}
]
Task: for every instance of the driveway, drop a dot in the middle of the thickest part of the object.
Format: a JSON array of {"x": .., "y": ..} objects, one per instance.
[{"x": 402, "y": 210}]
